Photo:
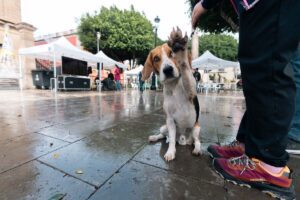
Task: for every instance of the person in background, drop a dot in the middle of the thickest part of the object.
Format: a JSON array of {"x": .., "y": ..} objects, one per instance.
[
  {"x": 197, "y": 76},
  {"x": 110, "y": 76},
  {"x": 117, "y": 73},
  {"x": 269, "y": 33},
  {"x": 294, "y": 133},
  {"x": 141, "y": 82}
]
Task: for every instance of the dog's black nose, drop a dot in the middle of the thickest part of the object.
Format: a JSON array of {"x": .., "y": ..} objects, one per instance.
[{"x": 168, "y": 71}]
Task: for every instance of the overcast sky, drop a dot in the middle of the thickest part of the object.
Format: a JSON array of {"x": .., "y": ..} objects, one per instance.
[{"x": 50, "y": 16}]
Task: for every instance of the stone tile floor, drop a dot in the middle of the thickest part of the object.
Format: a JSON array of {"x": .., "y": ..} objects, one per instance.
[{"x": 90, "y": 145}]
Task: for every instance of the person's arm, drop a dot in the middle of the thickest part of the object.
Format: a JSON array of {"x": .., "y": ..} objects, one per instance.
[{"x": 200, "y": 8}]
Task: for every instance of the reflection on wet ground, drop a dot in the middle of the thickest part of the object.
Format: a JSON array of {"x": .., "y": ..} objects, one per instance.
[{"x": 90, "y": 145}]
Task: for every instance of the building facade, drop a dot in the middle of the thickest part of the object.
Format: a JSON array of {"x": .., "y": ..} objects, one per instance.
[{"x": 14, "y": 34}]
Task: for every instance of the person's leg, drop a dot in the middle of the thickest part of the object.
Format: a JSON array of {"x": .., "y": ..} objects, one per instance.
[
  {"x": 269, "y": 34},
  {"x": 118, "y": 87},
  {"x": 294, "y": 133}
]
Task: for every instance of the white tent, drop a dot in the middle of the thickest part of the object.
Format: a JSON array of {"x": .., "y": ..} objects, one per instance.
[
  {"x": 55, "y": 50},
  {"x": 207, "y": 61},
  {"x": 135, "y": 71},
  {"x": 109, "y": 63},
  {"x": 58, "y": 48}
]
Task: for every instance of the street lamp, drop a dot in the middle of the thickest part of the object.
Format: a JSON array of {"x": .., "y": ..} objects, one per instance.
[
  {"x": 98, "y": 40},
  {"x": 98, "y": 64},
  {"x": 156, "y": 20},
  {"x": 153, "y": 81}
]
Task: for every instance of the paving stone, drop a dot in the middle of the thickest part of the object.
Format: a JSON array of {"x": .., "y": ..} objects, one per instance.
[
  {"x": 40, "y": 182},
  {"x": 139, "y": 181},
  {"x": 102, "y": 154},
  {"x": 185, "y": 164},
  {"x": 19, "y": 150},
  {"x": 78, "y": 130}
]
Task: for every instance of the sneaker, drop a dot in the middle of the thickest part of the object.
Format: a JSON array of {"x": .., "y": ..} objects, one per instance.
[
  {"x": 234, "y": 149},
  {"x": 293, "y": 147},
  {"x": 248, "y": 172}
]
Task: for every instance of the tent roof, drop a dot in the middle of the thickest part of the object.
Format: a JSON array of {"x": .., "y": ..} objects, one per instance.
[
  {"x": 208, "y": 61},
  {"x": 134, "y": 71},
  {"x": 60, "y": 47},
  {"x": 108, "y": 62}
]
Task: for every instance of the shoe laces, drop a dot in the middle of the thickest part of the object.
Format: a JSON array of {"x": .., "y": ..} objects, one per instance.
[
  {"x": 244, "y": 161},
  {"x": 233, "y": 144}
]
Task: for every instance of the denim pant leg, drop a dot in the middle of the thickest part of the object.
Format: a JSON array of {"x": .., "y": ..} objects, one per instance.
[
  {"x": 118, "y": 86},
  {"x": 295, "y": 128}
]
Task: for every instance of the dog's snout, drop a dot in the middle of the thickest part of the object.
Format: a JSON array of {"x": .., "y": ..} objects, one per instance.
[{"x": 168, "y": 70}]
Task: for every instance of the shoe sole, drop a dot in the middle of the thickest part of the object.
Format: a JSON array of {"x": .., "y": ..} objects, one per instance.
[
  {"x": 273, "y": 191},
  {"x": 295, "y": 152}
]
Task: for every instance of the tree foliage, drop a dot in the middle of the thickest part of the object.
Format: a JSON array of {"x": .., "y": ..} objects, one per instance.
[
  {"x": 222, "y": 46},
  {"x": 219, "y": 19},
  {"x": 125, "y": 34}
]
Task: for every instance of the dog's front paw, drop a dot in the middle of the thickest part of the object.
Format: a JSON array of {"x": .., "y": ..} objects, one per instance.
[
  {"x": 152, "y": 138},
  {"x": 197, "y": 150},
  {"x": 176, "y": 40},
  {"x": 170, "y": 155}
]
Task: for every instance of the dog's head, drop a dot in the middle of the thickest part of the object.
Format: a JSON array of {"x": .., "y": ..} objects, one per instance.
[{"x": 161, "y": 61}]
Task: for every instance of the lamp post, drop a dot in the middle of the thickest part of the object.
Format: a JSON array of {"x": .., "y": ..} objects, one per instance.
[
  {"x": 153, "y": 81},
  {"x": 98, "y": 64},
  {"x": 98, "y": 40}
]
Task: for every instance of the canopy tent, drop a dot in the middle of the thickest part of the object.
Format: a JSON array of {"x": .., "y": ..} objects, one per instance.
[
  {"x": 55, "y": 50},
  {"x": 207, "y": 61},
  {"x": 58, "y": 48},
  {"x": 135, "y": 71},
  {"x": 109, "y": 63}
]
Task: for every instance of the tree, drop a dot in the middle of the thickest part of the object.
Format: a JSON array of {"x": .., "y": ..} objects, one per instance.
[
  {"x": 219, "y": 19},
  {"x": 125, "y": 34},
  {"x": 222, "y": 46}
]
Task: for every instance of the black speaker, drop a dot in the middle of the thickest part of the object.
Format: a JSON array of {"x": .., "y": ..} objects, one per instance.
[{"x": 73, "y": 83}]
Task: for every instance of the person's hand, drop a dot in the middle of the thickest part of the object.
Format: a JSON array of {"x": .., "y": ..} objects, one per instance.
[{"x": 197, "y": 12}]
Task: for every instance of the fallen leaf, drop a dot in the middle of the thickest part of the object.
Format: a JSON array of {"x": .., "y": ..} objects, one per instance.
[
  {"x": 58, "y": 197},
  {"x": 56, "y": 155},
  {"x": 79, "y": 171}
]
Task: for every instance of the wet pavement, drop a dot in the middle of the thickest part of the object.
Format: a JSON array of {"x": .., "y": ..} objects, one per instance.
[{"x": 87, "y": 145}]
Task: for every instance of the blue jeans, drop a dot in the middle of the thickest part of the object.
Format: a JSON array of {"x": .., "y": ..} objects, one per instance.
[
  {"x": 294, "y": 133},
  {"x": 118, "y": 85}
]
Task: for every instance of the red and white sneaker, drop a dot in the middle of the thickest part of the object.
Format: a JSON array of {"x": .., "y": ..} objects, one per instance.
[
  {"x": 234, "y": 149},
  {"x": 248, "y": 172}
]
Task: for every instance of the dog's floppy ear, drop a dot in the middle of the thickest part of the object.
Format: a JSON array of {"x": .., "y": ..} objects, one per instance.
[{"x": 148, "y": 67}]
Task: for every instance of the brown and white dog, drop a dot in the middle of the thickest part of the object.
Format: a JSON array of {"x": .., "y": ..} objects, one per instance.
[{"x": 171, "y": 64}]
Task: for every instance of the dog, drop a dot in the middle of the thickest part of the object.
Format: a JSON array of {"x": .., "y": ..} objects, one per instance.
[{"x": 170, "y": 62}]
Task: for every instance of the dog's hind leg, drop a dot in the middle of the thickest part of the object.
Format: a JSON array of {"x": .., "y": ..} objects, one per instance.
[
  {"x": 162, "y": 134},
  {"x": 196, "y": 134}
]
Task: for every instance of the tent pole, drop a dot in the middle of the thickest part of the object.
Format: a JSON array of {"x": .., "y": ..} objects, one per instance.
[
  {"x": 20, "y": 73},
  {"x": 100, "y": 76},
  {"x": 55, "y": 75},
  {"x": 125, "y": 78}
]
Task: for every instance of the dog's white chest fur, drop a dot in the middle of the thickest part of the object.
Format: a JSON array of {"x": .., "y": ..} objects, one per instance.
[{"x": 178, "y": 107}]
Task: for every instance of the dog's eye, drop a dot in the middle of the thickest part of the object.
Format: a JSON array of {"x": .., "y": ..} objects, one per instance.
[
  {"x": 156, "y": 59},
  {"x": 171, "y": 54}
]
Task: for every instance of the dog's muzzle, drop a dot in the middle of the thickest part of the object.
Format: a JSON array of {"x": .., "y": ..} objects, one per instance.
[{"x": 168, "y": 71}]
